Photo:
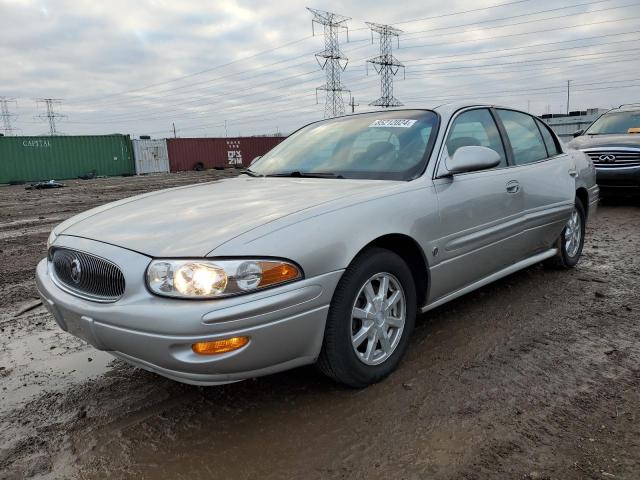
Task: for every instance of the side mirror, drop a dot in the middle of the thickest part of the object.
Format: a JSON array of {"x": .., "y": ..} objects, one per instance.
[
  {"x": 255, "y": 160},
  {"x": 578, "y": 133},
  {"x": 472, "y": 158}
]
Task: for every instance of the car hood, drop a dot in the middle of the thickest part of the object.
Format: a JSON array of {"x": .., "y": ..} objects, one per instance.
[
  {"x": 191, "y": 221},
  {"x": 595, "y": 141}
]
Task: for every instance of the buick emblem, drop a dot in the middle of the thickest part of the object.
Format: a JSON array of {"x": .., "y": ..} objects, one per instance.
[
  {"x": 607, "y": 158},
  {"x": 76, "y": 271}
]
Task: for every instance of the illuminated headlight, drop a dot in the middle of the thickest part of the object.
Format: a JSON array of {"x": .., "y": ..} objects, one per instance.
[
  {"x": 51, "y": 239},
  {"x": 217, "y": 278}
]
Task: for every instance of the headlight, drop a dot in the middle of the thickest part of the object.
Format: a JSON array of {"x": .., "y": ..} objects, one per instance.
[
  {"x": 51, "y": 239},
  {"x": 217, "y": 278}
]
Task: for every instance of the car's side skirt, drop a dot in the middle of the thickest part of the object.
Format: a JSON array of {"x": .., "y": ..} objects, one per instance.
[{"x": 492, "y": 278}]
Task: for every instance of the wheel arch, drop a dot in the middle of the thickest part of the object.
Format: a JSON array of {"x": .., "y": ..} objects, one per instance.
[
  {"x": 583, "y": 196},
  {"x": 412, "y": 253}
]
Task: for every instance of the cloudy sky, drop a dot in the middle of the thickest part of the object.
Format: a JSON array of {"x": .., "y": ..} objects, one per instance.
[{"x": 139, "y": 66}]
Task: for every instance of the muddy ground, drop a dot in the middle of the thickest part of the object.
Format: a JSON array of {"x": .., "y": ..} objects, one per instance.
[{"x": 534, "y": 377}]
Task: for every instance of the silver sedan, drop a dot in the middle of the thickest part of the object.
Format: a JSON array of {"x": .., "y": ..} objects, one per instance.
[{"x": 325, "y": 250}]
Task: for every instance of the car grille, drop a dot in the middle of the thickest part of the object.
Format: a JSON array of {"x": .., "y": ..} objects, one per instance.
[
  {"x": 612, "y": 157},
  {"x": 86, "y": 275}
]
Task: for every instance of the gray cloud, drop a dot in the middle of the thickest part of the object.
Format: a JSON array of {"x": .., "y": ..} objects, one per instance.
[{"x": 97, "y": 56}]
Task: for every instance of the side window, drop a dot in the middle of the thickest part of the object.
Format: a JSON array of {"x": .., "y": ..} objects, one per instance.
[
  {"x": 549, "y": 141},
  {"x": 524, "y": 136},
  {"x": 476, "y": 128}
]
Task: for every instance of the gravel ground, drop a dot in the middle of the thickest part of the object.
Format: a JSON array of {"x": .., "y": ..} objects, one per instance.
[{"x": 536, "y": 376}]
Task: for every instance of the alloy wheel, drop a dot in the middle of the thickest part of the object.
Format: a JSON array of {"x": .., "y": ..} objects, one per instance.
[
  {"x": 378, "y": 318},
  {"x": 573, "y": 234}
]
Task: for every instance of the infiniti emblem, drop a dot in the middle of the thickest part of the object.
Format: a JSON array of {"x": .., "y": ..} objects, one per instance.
[
  {"x": 76, "y": 271},
  {"x": 607, "y": 158}
]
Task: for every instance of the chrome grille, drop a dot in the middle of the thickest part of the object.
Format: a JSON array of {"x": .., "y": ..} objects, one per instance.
[
  {"x": 615, "y": 157},
  {"x": 86, "y": 275}
]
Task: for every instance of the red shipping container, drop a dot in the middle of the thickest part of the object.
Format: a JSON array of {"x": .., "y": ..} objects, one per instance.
[{"x": 205, "y": 153}]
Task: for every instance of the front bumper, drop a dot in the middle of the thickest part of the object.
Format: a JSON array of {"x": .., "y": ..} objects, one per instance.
[
  {"x": 619, "y": 178},
  {"x": 285, "y": 324}
]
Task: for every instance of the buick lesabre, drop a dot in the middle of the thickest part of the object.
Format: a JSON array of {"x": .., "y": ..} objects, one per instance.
[{"x": 325, "y": 249}]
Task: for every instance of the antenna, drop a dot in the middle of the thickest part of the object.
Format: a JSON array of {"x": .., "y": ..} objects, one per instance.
[
  {"x": 50, "y": 114},
  {"x": 385, "y": 64},
  {"x": 6, "y": 115},
  {"x": 331, "y": 59}
]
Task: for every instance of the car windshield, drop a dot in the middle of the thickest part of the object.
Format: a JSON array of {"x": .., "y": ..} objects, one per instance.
[
  {"x": 616, "y": 123},
  {"x": 391, "y": 145}
]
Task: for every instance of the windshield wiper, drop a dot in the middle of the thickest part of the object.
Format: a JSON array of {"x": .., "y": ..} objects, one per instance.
[
  {"x": 299, "y": 174},
  {"x": 251, "y": 173}
]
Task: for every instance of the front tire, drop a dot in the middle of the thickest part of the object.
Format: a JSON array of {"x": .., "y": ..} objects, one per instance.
[
  {"x": 571, "y": 240},
  {"x": 370, "y": 320}
]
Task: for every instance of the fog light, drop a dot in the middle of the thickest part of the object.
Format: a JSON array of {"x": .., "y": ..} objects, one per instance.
[{"x": 217, "y": 347}]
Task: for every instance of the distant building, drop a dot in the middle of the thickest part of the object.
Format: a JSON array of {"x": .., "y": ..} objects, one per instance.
[{"x": 565, "y": 125}]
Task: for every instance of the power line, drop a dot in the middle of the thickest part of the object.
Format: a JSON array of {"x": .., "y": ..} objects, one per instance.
[
  {"x": 279, "y": 47},
  {"x": 520, "y": 54},
  {"x": 479, "y": 9},
  {"x": 385, "y": 64},
  {"x": 555, "y": 17},
  {"x": 333, "y": 59},
  {"x": 533, "y": 46},
  {"x": 511, "y": 17},
  {"x": 278, "y": 99},
  {"x": 217, "y": 67},
  {"x": 447, "y": 43},
  {"x": 464, "y": 67},
  {"x": 268, "y": 100}
]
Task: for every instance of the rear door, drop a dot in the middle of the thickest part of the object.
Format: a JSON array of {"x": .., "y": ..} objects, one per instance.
[
  {"x": 546, "y": 177},
  {"x": 480, "y": 212}
]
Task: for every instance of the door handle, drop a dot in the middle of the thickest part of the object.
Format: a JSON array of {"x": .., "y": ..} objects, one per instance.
[
  {"x": 573, "y": 172},
  {"x": 513, "y": 186}
]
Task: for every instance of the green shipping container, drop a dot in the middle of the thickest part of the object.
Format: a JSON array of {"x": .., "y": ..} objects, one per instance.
[{"x": 59, "y": 158}]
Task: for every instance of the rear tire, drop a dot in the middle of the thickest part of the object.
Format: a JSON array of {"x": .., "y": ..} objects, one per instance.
[
  {"x": 370, "y": 319},
  {"x": 571, "y": 240}
]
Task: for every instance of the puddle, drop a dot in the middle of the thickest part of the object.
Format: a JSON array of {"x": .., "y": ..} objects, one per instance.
[{"x": 49, "y": 360}]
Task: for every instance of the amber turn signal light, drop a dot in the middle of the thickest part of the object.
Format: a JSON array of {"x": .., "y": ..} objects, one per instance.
[
  {"x": 217, "y": 347},
  {"x": 274, "y": 273}
]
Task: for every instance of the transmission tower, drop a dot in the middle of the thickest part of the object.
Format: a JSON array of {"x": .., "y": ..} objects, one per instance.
[
  {"x": 385, "y": 64},
  {"x": 50, "y": 114},
  {"x": 331, "y": 59},
  {"x": 6, "y": 116}
]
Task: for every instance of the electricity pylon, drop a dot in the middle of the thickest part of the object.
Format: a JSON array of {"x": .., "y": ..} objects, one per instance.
[
  {"x": 331, "y": 59},
  {"x": 385, "y": 64},
  {"x": 6, "y": 115},
  {"x": 50, "y": 114}
]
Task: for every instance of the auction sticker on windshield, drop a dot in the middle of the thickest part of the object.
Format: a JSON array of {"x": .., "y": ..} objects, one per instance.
[{"x": 393, "y": 122}]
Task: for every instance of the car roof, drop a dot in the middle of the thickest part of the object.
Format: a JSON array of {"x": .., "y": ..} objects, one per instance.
[{"x": 452, "y": 107}]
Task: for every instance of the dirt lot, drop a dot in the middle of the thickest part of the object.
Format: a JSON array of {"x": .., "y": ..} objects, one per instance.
[{"x": 536, "y": 376}]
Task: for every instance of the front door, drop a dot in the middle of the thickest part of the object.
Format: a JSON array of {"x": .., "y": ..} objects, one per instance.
[{"x": 480, "y": 212}]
